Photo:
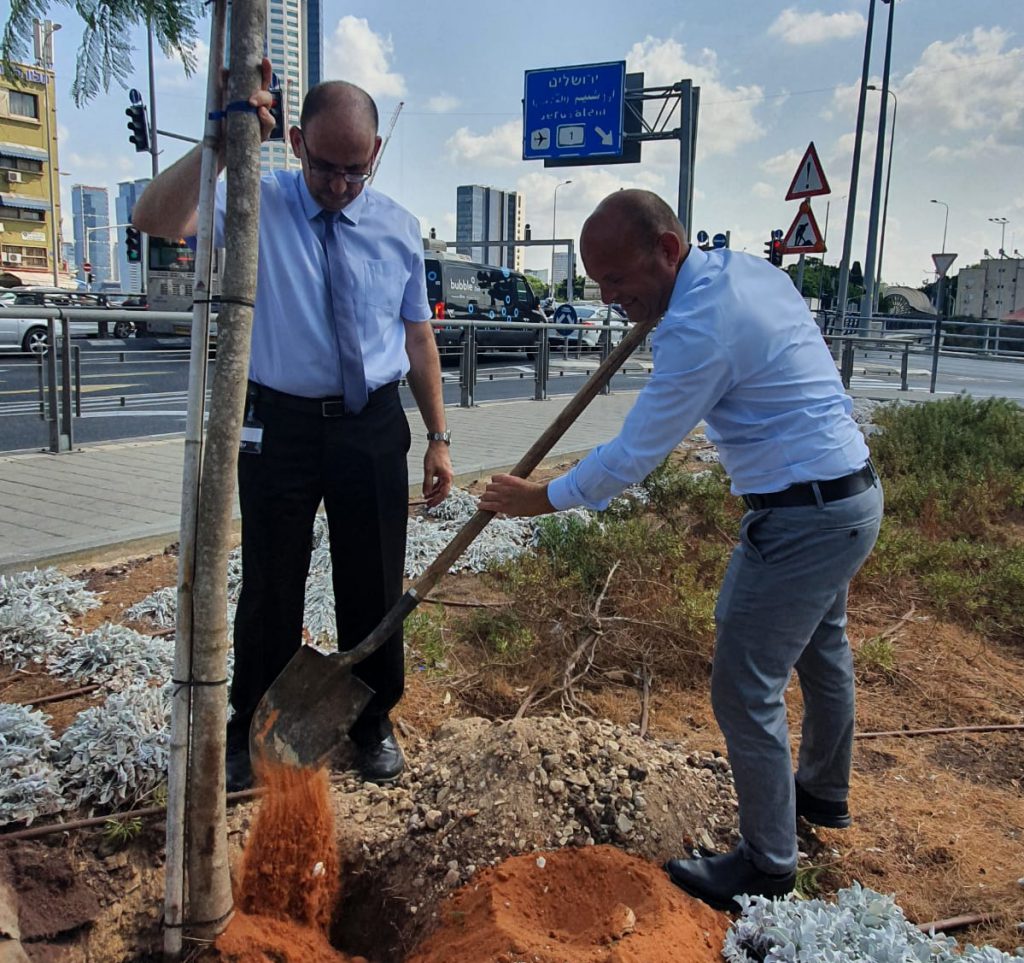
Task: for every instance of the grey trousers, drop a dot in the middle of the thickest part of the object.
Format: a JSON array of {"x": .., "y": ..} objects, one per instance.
[{"x": 783, "y": 606}]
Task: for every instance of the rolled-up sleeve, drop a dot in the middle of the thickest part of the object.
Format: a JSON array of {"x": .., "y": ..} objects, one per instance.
[{"x": 691, "y": 373}]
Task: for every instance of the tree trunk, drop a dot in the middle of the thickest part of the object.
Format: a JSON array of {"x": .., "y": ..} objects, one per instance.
[
  {"x": 209, "y": 884},
  {"x": 175, "y": 898}
]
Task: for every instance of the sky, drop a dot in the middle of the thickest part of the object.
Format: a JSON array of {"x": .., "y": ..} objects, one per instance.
[{"x": 773, "y": 76}]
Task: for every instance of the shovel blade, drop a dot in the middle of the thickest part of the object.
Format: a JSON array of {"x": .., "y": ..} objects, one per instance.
[{"x": 307, "y": 711}]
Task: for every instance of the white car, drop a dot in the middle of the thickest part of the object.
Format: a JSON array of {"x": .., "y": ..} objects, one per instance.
[
  {"x": 29, "y": 334},
  {"x": 590, "y": 317}
]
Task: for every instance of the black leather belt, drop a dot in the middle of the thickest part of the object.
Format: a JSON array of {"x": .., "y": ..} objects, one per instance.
[
  {"x": 803, "y": 493},
  {"x": 322, "y": 407}
]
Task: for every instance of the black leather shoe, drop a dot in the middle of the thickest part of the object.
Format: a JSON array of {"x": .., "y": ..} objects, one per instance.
[
  {"x": 716, "y": 880},
  {"x": 821, "y": 812},
  {"x": 382, "y": 762},
  {"x": 238, "y": 769}
]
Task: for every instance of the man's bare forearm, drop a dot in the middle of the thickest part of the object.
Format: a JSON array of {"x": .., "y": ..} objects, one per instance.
[{"x": 168, "y": 207}]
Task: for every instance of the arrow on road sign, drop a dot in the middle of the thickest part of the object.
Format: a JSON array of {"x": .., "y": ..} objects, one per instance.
[
  {"x": 606, "y": 135},
  {"x": 942, "y": 263},
  {"x": 803, "y": 236},
  {"x": 809, "y": 179}
]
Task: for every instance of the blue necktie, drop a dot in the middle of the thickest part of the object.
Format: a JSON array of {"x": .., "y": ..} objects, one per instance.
[{"x": 353, "y": 378}]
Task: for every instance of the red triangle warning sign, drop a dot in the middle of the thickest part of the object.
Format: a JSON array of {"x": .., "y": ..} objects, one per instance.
[
  {"x": 803, "y": 236},
  {"x": 809, "y": 179}
]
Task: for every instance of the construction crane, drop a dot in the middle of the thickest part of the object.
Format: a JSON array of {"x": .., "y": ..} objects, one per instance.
[{"x": 387, "y": 137}]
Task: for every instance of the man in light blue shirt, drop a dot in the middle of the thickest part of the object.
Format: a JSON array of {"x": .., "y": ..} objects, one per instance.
[
  {"x": 341, "y": 316},
  {"x": 736, "y": 347}
]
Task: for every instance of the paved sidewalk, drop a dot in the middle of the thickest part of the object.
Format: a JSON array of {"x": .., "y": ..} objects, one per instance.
[{"x": 127, "y": 495}]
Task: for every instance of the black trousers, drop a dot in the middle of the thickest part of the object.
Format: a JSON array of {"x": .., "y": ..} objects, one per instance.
[{"x": 355, "y": 464}]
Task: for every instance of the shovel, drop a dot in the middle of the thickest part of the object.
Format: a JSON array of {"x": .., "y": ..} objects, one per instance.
[{"x": 312, "y": 704}]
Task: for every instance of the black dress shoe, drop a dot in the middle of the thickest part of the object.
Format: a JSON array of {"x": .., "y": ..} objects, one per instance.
[
  {"x": 821, "y": 812},
  {"x": 237, "y": 769},
  {"x": 382, "y": 762},
  {"x": 716, "y": 880}
]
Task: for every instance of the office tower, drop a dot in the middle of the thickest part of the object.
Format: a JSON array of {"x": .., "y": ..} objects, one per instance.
[
  {"x": 489, "y": 214},
  {"x": 90, "y": 212},
  {"x": 130, "y": 275},
  {"x": 295, "y": 47}
]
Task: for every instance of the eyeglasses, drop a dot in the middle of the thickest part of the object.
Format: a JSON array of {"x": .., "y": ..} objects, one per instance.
[{"x": 328, "y": 172}]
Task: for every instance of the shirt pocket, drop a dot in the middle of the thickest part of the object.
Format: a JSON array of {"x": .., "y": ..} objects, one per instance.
[{"x": 384, "y": 284}]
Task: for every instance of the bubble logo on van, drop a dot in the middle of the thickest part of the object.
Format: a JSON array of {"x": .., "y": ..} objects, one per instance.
[
  {"x": 470, "y": 308},
  {"x": 431, "y": 275}
]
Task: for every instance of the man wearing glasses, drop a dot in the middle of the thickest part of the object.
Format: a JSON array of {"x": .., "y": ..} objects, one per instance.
[{"x": 341, "y": 316}]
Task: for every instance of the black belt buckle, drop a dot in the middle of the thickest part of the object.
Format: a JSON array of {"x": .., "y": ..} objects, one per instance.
[{"x": 332, "y": 409}]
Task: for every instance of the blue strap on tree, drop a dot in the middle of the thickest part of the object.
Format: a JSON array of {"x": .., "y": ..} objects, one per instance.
[{"x": 242, "y": 105}]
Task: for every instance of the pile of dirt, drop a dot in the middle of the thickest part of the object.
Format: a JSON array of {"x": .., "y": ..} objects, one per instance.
[{"x": 593, "y": 905}]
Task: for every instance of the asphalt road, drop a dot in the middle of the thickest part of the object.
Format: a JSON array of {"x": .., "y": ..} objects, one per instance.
[{"x": 137, "y": 388}]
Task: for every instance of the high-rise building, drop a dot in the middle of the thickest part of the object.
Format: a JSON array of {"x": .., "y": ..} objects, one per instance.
[
  {"x": 90, "y": 212},
  {"x": 295, "y": 46},
  {"x": 30, "y": 239},
  {"x": 129, "y": 274},
  {"x": 489, "y": 214},
  {"x": 559, "y": 267}
]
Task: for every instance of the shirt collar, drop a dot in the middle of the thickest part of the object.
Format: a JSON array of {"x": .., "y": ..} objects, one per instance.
[
  {"x": 311, "y": 209},
  {"x": 690, "y": 270}
]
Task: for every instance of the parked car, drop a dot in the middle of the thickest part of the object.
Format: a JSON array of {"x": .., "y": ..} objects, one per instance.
[
  {"x": 462, "y": 290},
  {"x": 30, "y": 334},
  {"x": 590, "y": 316}
]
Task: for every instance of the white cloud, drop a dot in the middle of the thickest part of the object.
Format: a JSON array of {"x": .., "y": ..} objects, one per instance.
[
  {"x": 782, "y": 165},
  {"x": 501, "y": 146},
  {"x": 356, "y": 54},
  {"x": 170, "y": 74},
  {"x": 975, "y": 82},
  {"x": 442, "y": 103},
  {"x": 726, "y": 113},
  {"x": 768, "y": 192},
  {"x": 984, "y": 147},
  {"x": 797, "y": 27}
]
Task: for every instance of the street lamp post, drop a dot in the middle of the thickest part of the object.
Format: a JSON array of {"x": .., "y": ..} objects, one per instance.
[
  {"x": 1002, "y": 240},
  {"x": 945, "y": 223},
  {"x": 554, "y": 211},
  {"x": 885, "y": 203},
  {"x": 45, "y": 29}
]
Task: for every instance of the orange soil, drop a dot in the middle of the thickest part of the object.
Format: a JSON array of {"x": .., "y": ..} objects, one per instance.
[
  {"x": 592, "y": 905},
  {"x": 288, "y": 885}
]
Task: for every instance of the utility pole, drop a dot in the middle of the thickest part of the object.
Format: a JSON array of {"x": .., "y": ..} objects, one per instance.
[
  {"x": 851, "y": 206},
  {"x": 868, "y": 300}
]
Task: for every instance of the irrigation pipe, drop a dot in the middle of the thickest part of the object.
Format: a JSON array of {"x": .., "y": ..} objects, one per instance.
[{"x": 938, "y": 732}]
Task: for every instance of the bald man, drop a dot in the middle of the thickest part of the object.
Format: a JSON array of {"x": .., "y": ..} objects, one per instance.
[
  {"x": 341, "y": 317},
  {"x": 736, "y": 347}
]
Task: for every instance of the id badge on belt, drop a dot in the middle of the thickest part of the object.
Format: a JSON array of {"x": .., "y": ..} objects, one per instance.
[{"x": 252, "y": 431}]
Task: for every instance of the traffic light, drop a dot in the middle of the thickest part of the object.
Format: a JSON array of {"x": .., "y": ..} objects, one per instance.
[
  {"x": 769, "y": 250},
  {"x": 776, "y": 257},
  {"x": 136, "y": 115},
  {"x": 276, "y": 109},
  {"x": 133, "y": 244}
]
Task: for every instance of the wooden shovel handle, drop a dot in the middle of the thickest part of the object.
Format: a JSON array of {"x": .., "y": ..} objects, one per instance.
[{"x": 465, "y": 536}]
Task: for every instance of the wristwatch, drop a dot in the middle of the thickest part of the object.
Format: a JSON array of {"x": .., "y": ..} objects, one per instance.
[{"x": 445, "y": 436}]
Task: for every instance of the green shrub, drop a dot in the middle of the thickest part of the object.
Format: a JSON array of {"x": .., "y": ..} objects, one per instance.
[{"x": 500, "y": 631}]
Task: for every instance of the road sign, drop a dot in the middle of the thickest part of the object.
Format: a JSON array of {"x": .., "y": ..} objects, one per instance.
[
  {"x": 87, "y": 267},
  {"x": 803, "y": 236},
  {"x": 809, "y": 179},
  {"x": 719, "y": 240},
  {"x": 702, "y": 237},
  {"x": 574, "y": 111},
  {"x": 564, "y": 314},
  {"x": 942, "y": 263}
]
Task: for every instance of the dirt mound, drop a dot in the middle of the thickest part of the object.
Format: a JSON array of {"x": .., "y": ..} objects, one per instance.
[{"x": 592, "y": 905}]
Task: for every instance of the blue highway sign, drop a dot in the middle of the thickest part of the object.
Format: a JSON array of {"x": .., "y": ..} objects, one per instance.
[{"x": 574, "y": 111}]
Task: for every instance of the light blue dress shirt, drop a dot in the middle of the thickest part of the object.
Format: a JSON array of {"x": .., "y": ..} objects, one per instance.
[
  {"x": 738, "y": 348},
  {"x": 294, "y": 346}
]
